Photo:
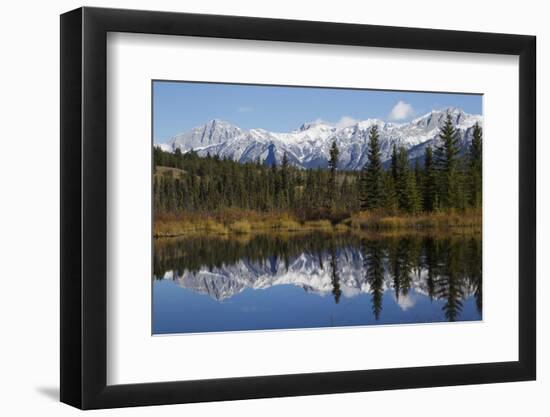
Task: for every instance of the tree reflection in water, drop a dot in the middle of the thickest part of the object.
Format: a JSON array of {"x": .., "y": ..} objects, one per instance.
[{"x": 446, "y": 269}]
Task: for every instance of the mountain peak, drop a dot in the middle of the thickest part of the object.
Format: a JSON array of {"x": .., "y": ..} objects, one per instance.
[
  {"x": 309, "y": 146},
  {"x": 452, "y": 111},
  {"x": 313, "y": 124},
  {"x": 218, "y": 122},
  {"x": 211, "y": 133},
  {"x": 442, "y": 111}
]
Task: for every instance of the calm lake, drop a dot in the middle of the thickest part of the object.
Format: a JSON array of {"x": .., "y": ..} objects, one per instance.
[{"x": 211, "y": 284}]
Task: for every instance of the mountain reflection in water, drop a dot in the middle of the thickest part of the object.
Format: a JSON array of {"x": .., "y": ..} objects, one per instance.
[{"x": 207, "y": 284}]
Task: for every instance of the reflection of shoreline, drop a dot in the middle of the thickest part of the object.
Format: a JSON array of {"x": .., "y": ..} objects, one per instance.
[
  {"x": 341, "y": 265},
  {"x": 289, "y": 234}
]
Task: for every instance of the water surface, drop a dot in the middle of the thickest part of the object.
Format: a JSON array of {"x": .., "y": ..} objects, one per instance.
[{"x": 207, "y": 284}]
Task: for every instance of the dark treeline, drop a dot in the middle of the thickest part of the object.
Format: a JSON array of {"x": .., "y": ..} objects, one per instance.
[
  {"x": 209, "y": 183},
  {"x": 451, "y": 267},
  {"x": 445, "y": 179}
]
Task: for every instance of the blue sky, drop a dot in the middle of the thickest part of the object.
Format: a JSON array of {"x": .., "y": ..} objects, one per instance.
[{"x": 180, "y": 106}]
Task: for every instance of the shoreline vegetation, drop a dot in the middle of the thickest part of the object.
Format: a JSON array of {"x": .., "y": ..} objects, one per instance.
[
  {"x": 235, "y": 222},
  {"x": 440, "y": 192}
]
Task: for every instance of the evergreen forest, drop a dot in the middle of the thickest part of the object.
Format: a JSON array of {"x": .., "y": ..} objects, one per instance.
[{"x": 445, "y": 180}]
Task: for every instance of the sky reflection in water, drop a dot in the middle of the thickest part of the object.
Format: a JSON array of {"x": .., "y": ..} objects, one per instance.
[{"x": 317, "y": 280}]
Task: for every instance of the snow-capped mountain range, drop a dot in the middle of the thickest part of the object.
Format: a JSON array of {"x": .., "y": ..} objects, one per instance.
[{"x": 308, "y": 146}]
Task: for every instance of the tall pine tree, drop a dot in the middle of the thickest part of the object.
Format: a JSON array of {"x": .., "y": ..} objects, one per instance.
[
  {"x": 447, "y": 164},
  {"x": 429, "y": 189},
  {"x": 333, "y": 164},
  {"x": 390, "y": 196},
  {"x": 394, "y": 162},
  {"x": 285, "y": 182},
  {"x": 371, "y": 175},
  {"x": 402, "y": 178},
  {"x": 413, "y": 199},
  {"x": 475, "y": 168}
]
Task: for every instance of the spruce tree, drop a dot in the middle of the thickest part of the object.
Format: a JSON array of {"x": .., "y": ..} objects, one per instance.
[
  {"x": 406, "y": 189},
  {"x": 372, "y": 192},
  {"x": 285, "y": 182},
  {"x": 475, "y": 168},
  {"x": 402, "y": 179},
  {"x": 309, "y": 189},
  {"x": 429, "y": 188},
  {"x": 394, "y": 162},
  {"x": 419, "y": 184},
  {"x": 447, "y": 164},
  {"x": 346, "y": 193},
  {"x": 333, "y": 161},
  {"x": 275, "y": 181},
  {"x": 332, "y": 164},
  {"x": 413, "y": 201},
  {"x": 390, "y": 203},
  {"x": 418, "y": 174}
]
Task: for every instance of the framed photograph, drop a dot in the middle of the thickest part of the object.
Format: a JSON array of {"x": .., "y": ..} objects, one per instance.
[{"x": 257, "y": 208}]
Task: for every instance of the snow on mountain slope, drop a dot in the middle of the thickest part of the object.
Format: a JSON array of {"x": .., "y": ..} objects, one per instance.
[{"x": 308, "y": 146}]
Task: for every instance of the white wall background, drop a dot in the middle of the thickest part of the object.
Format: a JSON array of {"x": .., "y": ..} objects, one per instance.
[{"x": 29, "y": 208}]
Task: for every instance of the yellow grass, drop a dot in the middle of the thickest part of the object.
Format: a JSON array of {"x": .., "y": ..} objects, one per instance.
[
  {"x": 170, "y": 228},
  {"x": 249, "y": 222},
  {"x": 439, "y": 220},
  {"x": 318, "y": 224},
  {"x": 286, "y": 223},
  {"x": 240, "y": 227}
]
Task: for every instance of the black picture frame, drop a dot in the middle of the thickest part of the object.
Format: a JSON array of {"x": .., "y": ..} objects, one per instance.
[{"x": 84, "y": 207}]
